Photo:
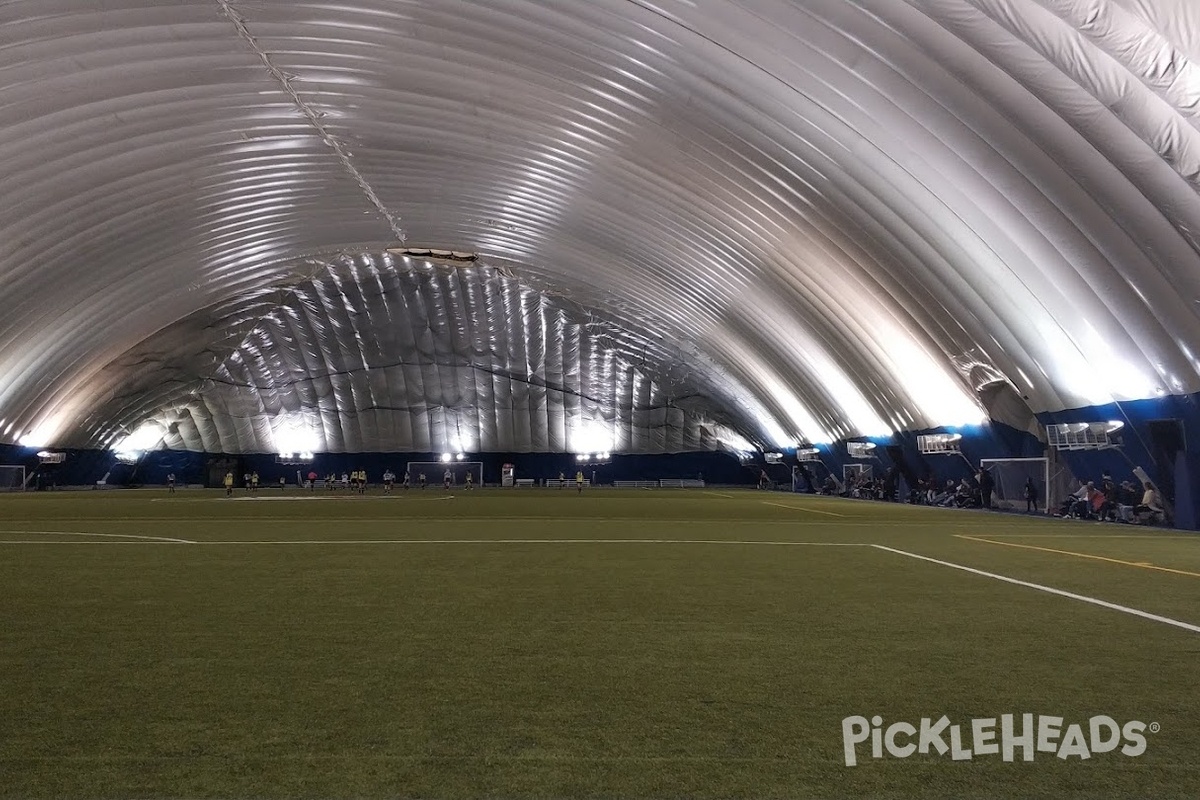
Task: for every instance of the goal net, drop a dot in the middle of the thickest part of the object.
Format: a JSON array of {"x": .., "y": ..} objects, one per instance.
[
  {"x": 435, "y": 473},
  {"x": 12, "y": 478},
  {"x": 1010, "y": 476}
]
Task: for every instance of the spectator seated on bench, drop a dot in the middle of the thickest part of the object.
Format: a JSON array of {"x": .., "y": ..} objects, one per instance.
[
  {"x": 945, "y": 497},
  {"x": 1079, "y": 503},
  {"x": 1150, "y": 510},
  {"x": 966, "y": 495}
]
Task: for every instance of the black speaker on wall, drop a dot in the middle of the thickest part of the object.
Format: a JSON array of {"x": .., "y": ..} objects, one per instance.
[
  {"x": 896, "y": 453},
  {"x": 1167, "y": 436},
  {"x": 1166, "y": 441}
]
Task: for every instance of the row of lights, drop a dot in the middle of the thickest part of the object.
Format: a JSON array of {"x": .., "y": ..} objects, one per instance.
[
  {"x": 301, "y": 456},
  {"x": 447, "y": 458},
  {"x": 585, "y": 457}
]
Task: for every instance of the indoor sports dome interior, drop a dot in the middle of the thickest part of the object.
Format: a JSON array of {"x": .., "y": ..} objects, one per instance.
[{"x": 686, "y": 233}]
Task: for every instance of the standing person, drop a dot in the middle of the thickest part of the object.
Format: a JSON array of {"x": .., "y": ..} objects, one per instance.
[
  {"x": 229, "y": 484},
  {"x": 362, "y": 481},
  {"x": 1106, "y": 505},
  {"x": 254, "y": 482},
  {"x": 388, "y": 480},
  {"x": 986, "y": 486},
  {"x": 470, "y": 481},
  {"x": 562, "y": 479},
  {"x": 170, "y": 483},
  {"x": 312, "y": 480},
  {"x": 1031, "y": 496},
  {"x": 422, "y": 480},
  {"x": 246, "y": 482},
  {"x": 447, "y": 478},
  {"x": 404, "y": 484},
  {"x": 579, "y": 481},
  {"x": 282, "y": 483}
]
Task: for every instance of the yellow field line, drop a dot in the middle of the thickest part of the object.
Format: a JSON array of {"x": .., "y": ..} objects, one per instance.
[
  {"x": 802, "y": 508},
  {"x": 1138, "y": 564},
  {"x": 1091, "y": 536}
]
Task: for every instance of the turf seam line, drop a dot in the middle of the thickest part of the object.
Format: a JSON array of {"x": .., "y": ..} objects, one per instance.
[
  {"x": 1187, "y": 626},
  {"x": 802, "y": 508}
]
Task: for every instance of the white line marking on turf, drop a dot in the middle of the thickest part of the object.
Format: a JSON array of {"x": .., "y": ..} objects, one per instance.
[
  {"x": 802, "y": 508},
  {"x": 1187, "y": 626},
  {"x": 152, "y": 540},
  {"x": 721, "y": 494},
  {"x": 535, "y": 541},
  {"x": 851, "y": 522},
  {"x": 104, "y": 535}
]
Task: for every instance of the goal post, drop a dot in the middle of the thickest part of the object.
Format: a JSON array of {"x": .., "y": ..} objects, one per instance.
[
  {"x": 1009, "y": 476},
  {"x": 12, "y": 478},
  {"x": 435, "y": 473}
]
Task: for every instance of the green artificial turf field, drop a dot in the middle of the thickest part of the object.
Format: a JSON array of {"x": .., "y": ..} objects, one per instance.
[{"x": 539, "y": 643}]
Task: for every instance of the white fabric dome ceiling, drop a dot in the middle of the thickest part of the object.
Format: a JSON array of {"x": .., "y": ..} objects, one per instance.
[{"x": 842, "y": 217}]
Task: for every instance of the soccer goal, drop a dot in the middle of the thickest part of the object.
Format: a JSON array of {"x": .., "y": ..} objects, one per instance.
[
  {"x": 1009, "y": 476},
  {"x": 435, "y": 472},
  {"x": 12, "y": 478}
]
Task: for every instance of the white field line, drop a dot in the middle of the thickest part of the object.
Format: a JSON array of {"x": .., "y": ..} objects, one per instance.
[
  {"x": 163, "y": 540},
  {"x": 802, "y": 508},
  {"x": 537, "y": 541},
  {"x": 104, "y": 535},
  {"x": 1187, "y": 626},
  {"x": 938, "y": 526},
  {"x": 720, "y": 494}
]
